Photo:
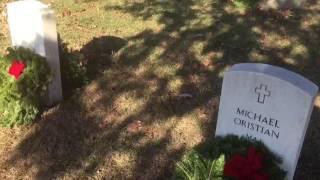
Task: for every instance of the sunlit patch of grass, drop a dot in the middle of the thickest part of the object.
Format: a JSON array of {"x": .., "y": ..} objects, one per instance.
[
  {"x": 129, "y": 103},
  {"x": 187, "y": 130},
  {"x": 299, "y": 51},
  {"x": 92, "y": 18},
  {"x": 165, "y": 71},
  {"x": 204, "y": 20},
  {"x": 123, "y": 159},
  {"x": 275, "y": 40},
  {"x": 258, "y": 57},
  {"x": 157, "y": 52},
  {"x": 175, "y": 85},
  {"x": 290, "y": 61},
  {"x": 198, "y": 47},
  {"x": 245, "y": 4},
  {"x": 4, "y": 29}
]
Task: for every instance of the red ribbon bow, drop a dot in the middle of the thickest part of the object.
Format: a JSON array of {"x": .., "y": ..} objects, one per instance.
[
  {"x": 246, "y": 168},
  {"x": 16, "y": 68}
]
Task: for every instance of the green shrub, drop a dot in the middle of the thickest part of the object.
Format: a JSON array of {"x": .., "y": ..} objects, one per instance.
[
  {"x": 20, "y": 98},
  {"x": 73, "y": 68},
  {"x": 195, "y": 167}
]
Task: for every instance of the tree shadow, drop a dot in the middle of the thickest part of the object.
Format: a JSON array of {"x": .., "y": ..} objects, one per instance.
[
  {"x": 157, "y": 87},
  {"x": 99, "y": 52},
  {"x": 79, "y": 67}
]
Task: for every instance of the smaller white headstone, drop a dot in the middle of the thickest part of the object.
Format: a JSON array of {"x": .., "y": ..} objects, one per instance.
[
  {"x": 270, "y": 104},
  {"x": 32, "y": 25}
]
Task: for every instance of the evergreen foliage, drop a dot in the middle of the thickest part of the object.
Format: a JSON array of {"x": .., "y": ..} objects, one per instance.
[
  {"x": 207, "y": 161},
  {"x": 73, "y": 67},
  {"x": 20, "y": 98}
]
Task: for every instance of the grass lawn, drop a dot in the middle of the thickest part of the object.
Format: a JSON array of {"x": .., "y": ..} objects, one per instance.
[{"x": 153, "y": 71}]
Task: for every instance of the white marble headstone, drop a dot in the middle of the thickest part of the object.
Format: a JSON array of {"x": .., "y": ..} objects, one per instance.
[
  {"x": 267, "y": 103},
  {"x": 32, "y": 25}
]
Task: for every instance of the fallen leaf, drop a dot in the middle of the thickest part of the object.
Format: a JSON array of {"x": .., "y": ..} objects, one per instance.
[
  {"x": 66, "y": 12},
  {"x": 286, "y": 13},
  {"x": 150, "y": 133},
  {"x": 134, "y": 127}
]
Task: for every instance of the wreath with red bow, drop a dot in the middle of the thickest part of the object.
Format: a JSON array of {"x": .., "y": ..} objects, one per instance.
[
  {"x": 230, "y": 158},
  {"x": 24, "y": 78}
]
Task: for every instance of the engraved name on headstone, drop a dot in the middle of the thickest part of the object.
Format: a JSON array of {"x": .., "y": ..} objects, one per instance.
[{"x": 270, "y": 104}]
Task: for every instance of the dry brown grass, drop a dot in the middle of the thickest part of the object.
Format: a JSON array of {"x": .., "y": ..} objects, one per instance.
[{"x": 156, "y": 96}]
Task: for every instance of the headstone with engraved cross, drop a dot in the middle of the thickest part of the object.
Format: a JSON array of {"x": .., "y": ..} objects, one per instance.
[{"x": 270, "y": 104}]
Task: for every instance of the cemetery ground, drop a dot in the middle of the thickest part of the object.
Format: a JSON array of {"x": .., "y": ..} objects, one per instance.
[{"x": 142, "y": 82}]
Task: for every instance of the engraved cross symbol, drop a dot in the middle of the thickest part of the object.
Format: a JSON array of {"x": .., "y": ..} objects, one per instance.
[{"x": 262, "y": 93}]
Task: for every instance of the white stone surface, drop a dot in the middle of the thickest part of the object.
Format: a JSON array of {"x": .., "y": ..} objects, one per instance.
[
  {"x": 32, "y": 24},
  {"x": 270, "y": 104}
]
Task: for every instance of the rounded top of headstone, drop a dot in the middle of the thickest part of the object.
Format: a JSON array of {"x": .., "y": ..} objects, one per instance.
[
  {"x": 280, "y": 73},
  {"x": 27, "y": 5}
]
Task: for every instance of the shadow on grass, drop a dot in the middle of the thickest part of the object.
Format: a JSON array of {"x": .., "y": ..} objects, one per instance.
[
  {"x": 79, "y": 67},
  {"x": 152, "y": 92}
]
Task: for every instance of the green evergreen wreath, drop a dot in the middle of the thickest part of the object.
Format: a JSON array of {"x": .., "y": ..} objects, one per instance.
[
  {"x": 230, "y": 158},
  {"x": 24, "y": 77}
]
